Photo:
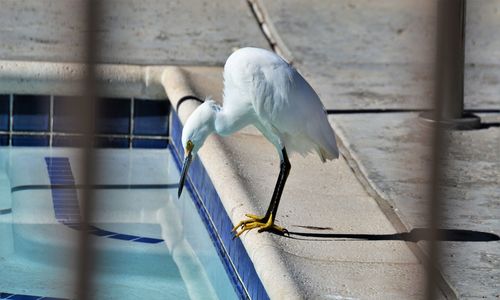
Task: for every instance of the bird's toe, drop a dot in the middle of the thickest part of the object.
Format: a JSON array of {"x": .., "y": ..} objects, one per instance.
[
  {"x": 248, "y": 226},
  {"x": 252, "y": 219},
  {"x": 263, "y": 223},
  {"x": 255, "y": 218}
]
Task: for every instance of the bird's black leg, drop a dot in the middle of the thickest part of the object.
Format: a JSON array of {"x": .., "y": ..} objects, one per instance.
[
  {"x": 285, "y": 167},
  {"x": 266, "y": 223}
]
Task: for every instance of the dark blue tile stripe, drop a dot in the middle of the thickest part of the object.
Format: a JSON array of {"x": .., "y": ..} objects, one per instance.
[
  {"x": 31, "y": 113},
  {"x": 233, "y": 254},
  {"x": 144, "y": 127},
  {"x": 113, "y": 116},
  {"x": 4, "y": 112},
  {"x": 66, "y": 206},
  {"x": 30, "y": 140},
  {"x": 26, "y": 297},
  {"x": 64, "y": 201},
  {"x": 151, "y": 117}
]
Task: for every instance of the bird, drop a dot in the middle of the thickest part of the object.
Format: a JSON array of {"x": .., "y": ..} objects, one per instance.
[{"x": 262, "y": 89}]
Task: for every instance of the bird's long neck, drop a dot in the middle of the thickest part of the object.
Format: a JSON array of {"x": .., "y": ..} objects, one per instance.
[{"x": 229, "y": 121}]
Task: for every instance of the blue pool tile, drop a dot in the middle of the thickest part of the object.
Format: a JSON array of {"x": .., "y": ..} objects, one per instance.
[
  {"x": 64, "y": 192},
  {"x": 62, "y": 198},
  {"x": 112, "y": 142},
  {"x": 26, "y": 297},
  {"x": 30, "y": 140},
  {"x": 57, "y": 177},
  {"x": 56, "y": 158},
  {"x": 23, "y": 297},
  {"x": 148, "y": 240},
  {"x": 73, "y": 209},
  {"x": 150, "y": 143},
  {"x": 59, "y": 161},
  {"x": 31, "y": 113},
  {"x": 113, "y": 116},
  {"x": 125, "y": 237},
  {"x": 176, "y": 134},
  {"x": 62, "y": 180},
  {"x": 66, "y": 206},
  {"x": 67, "y": 115},
  {"x": 59, "y": 169},
  {"x": 151, "y": 117},
  {"x": 4, "y": 112},
  {"x": 5, "y": 295},
  {"x": 4, "y": 140}
]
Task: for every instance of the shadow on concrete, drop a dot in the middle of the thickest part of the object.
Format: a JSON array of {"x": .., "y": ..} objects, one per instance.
[
  {"x": 415, "y": 235},
  {"x": 488, "y": 125},
  {"x": 398, "y": 110}
]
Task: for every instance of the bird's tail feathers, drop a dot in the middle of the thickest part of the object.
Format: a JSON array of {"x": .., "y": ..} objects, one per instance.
[
  {"x": 325, "y": 155},
  {"x": 326, "y": 146}
]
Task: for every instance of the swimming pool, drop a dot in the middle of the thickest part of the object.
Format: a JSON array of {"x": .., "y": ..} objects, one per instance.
[{"x": 148, "y": 244}]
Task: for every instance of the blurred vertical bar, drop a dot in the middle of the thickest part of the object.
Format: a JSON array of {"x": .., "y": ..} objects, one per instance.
[
  {"x": 88, "y": 103},
  {"x": 448, "y": 104},
  {"x": 451, "y": 48}
]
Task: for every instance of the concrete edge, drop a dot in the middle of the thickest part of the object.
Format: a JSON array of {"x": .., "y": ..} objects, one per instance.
[
  {"x": 269, "y": 31},
  {"x": 387, "y": 206},
  {"x": 160, "y": 82},
  {"x": 24, "y": 77}
]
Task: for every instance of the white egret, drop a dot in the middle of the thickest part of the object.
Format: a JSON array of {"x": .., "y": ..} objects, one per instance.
[{"x": 262, "y": 89}]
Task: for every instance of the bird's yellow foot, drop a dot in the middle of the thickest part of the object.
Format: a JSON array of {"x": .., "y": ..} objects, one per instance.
[{"x": 257, "y": 222}]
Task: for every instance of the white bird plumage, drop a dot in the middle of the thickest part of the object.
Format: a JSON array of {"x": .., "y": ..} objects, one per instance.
[{"x": 262, "y": 89}]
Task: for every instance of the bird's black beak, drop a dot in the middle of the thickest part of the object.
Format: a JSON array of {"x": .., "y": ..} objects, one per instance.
[{"x": 185, "y": 168}]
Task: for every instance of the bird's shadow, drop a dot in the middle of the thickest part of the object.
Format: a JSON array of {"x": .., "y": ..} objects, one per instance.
[{"x": 415, "y": 235}]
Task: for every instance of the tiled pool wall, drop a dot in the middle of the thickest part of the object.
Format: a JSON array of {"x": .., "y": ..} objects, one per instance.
[{"x": 47, "y": 120}]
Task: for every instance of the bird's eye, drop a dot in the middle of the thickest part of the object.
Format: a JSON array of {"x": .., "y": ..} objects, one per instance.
[{"x": 189, "y": 146}]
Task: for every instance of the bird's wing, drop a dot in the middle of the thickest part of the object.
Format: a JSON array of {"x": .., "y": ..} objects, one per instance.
[
  {"x": 284, "y": 103},
  {"x": 290, "y": 105}
]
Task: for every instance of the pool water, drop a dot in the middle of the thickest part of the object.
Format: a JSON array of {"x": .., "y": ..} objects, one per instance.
[{"x": 147, "y": 243}]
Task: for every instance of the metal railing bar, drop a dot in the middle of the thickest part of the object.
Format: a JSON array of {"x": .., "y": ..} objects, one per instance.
[
  {"x": 87, "y": 107},
  {"x": 448, "y": 90},
  {"x": 402, "y": 110}
]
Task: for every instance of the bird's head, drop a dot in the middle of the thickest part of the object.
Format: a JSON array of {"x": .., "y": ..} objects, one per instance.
[{"x": 198, "y": 127}]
